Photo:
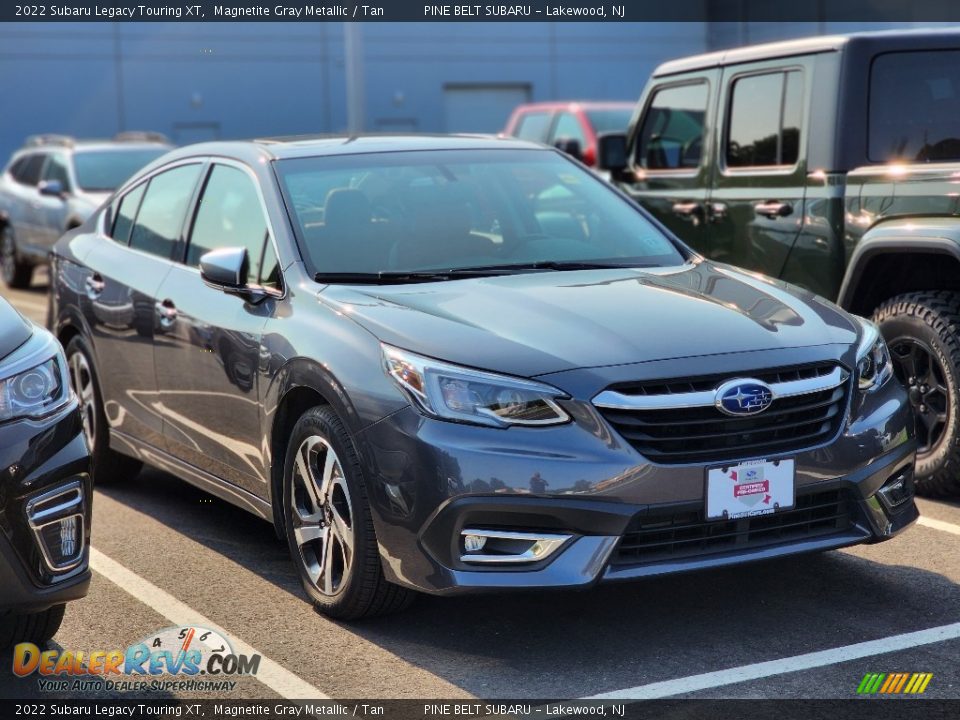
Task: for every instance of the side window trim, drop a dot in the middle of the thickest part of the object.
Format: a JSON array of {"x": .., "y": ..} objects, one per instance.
[
  {"x": 708, "y": 116},
  {"x": 133, "y": 221},
  {"x": 783, "y": 71}
]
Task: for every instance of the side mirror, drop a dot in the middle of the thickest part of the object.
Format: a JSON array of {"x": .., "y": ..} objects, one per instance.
[
  {"x": 570, "y": 146},
  {"x": 51, "y": 188},
  {"x": 612, "y": 153},
  {"x": 225, "y": 269}
]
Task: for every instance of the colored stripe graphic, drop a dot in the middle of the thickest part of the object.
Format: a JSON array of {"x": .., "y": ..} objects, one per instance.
[{"x": 894, "y": 683}]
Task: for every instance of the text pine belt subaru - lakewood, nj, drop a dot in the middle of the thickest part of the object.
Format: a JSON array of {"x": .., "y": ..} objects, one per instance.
[{"x": 460, "y": 363}]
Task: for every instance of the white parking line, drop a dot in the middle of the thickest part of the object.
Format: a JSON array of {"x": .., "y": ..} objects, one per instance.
[
  {"x": 272, "y": 674},
  {"x": 756, "y": 671},
  {"x": 939, "y": 525}
]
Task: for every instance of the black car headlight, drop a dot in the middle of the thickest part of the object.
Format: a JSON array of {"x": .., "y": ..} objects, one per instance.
[
  {"x": 874, "y": 367},
  {"x": 35, "y": 391},
  {"x": 451, "y": 392}
]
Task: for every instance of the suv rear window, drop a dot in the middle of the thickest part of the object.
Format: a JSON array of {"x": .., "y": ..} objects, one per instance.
[
  {"x": 764, "y": 124},
  {"x": 914, "y": 107},
  {"x": 672, "y": 134}
]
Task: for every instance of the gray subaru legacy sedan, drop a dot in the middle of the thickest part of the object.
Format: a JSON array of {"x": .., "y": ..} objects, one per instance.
[{"x": 450, "y": 364}]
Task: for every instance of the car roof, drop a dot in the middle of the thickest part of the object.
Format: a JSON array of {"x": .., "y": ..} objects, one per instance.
[
  {"x": 577, "y": 104},
  {"x": 876, "y": 41},
  {"x": 297, "y": 146},
  {"x": 81, "y": 146}
]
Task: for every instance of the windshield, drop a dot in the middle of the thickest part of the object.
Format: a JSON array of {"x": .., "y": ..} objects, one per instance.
[
  {"x": 106, "y": 170},
  {"x": 615, "y": 120},
  {"x": 426, "y": 211}
]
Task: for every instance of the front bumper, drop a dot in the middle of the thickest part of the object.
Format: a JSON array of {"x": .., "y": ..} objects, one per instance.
[
  {"x": 434, "y": 479},
  {"x": 36, "y": 457}
]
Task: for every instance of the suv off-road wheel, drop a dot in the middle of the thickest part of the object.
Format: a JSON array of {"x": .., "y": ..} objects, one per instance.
[
  {"x": 30, "y": 627},
  {"x": 108, "y": 465},
  {"x": 329, "y": 525},
  {"x": 16, "y": 273},
  {"x": 923, "y": 332}
]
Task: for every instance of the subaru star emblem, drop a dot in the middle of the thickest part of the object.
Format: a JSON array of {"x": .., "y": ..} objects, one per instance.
[{"x": 743, "y": 397}]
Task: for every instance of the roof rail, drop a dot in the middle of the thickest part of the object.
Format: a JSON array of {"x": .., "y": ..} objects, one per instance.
[
  {"x": 141, "y": 136},
  {"x": 49, "y": 139}
]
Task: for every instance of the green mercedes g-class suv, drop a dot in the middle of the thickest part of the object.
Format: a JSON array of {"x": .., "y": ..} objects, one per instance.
[{"x": 832, "y": 163}]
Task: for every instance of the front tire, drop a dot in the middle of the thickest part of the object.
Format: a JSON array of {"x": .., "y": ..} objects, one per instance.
[
  {"x": 36, "y": 628},
  {"x": 329, "y": 525},
  {"x": 108, "y": 465},
  {"x": 923, "y": 332},
  {"x": 16, "y": 273}
]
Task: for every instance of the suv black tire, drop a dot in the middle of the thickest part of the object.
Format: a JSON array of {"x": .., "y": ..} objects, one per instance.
[
  {"x": 928, "y": 323},
  {"x": 16, "y": 273},
  {"x": 362, "y": 589},
  {"x": 36, "y": 628},
  {"x": 108, "y": 465}
]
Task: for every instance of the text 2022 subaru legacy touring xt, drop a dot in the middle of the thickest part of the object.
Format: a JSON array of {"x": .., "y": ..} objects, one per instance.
[{"x": 452, "y": 363}]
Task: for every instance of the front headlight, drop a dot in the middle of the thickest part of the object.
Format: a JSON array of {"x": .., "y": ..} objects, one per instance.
[
  {"x": 451, "y": 392},
  {"x": 874, "y": 367},
  {"x": 34, "y": 392}
]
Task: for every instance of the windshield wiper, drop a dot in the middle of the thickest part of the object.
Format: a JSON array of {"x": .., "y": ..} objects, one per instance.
[
  {"x": 552, "y": 265},
  {"x": 390, "y": 277},
  {"x": 385, "y": 277}
]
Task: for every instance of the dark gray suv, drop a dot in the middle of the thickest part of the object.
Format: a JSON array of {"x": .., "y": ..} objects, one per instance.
[{"x": 455, "y": 363}]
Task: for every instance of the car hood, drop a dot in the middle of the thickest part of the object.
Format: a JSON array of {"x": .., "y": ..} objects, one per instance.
[
  {"x": 88, "y": 201},
  {"x": 14, "y": 329},
  {"x": 542, "y": 322}
]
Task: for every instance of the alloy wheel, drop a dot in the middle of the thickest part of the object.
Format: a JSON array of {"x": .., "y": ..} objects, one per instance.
[
  {"x": 322, "y": 515},
  {"x": 82, "y": 381},
  {"x": 921, "y": 373}
]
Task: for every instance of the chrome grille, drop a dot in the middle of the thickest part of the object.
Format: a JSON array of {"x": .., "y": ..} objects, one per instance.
[{"x": 676, "y": 421}]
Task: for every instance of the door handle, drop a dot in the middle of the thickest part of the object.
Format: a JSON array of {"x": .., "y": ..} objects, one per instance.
[
  {"x": 718, "y": 211},
  {"x": 687, "y": 208},
  {"x": 94, "y": 285},
  {"x": 166, "y": 313},
  {"x": 690, "y": 210},
  {"x": 773, "y": 209}
]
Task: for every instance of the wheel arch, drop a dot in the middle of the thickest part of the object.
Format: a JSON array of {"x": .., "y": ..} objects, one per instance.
[
  {"x": 893, "y": 263},
  {"x": 300, "y": 385}
]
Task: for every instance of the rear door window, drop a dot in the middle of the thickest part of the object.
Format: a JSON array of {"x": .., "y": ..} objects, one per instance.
[
  {"x": 763, "y": 127},
  {"x": 30, "y": 172},
  {"x": 671, "y": 137},
  {"x": 160, "y": 219},
  {"x": 127, "y": 214},
  {"x": 914, "y": 104}
]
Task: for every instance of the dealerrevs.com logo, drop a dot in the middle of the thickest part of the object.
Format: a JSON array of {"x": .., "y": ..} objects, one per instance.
[{"x": 176, "y": 658}]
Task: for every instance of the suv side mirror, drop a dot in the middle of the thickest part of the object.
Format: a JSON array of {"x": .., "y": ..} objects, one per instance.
[
  {"x": 225, "y": 269},
  {"x": 51, "y": 188},
  {"x": 612, "y": 153},
  {"x": 570, "y": 146}
]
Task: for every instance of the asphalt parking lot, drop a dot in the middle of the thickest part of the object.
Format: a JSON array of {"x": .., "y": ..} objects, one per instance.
[{"x": 166, "y": 553}]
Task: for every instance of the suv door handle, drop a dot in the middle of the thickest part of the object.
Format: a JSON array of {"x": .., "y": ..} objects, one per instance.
[
  {"x": 718, "y": 211},
  {"x": 690, "y": 210},
  {"x": 166, "y": 313},
  {"x": 773, "y": 209},
  {"x": 95, "y": 286}
]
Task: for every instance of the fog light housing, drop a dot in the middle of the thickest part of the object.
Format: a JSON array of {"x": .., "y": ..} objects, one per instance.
[
  {"x": 898, "y": 489},
  {"x": 57, "y": 520},
  {"x": 509, "y": 546}
]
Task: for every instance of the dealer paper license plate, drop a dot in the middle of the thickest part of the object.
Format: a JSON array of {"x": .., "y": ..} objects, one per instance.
[{"x": 753, "y": 488}]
